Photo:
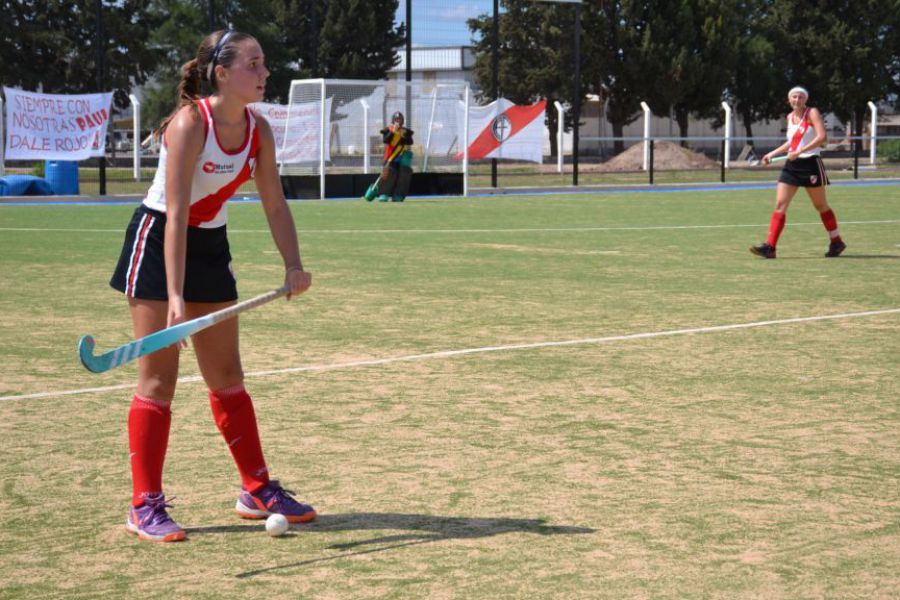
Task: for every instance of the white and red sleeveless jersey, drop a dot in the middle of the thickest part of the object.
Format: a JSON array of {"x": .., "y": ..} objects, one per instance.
[
  {"x": 801, "y": 133},
  {"x": 217, "y": 174}
]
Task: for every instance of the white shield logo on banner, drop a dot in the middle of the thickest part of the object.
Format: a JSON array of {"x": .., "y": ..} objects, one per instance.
[{"x": 501, "y": 128}]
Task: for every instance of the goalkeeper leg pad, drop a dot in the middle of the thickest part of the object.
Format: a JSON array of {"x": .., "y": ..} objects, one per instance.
[
  {"x": 402, "y": 187},
  {"x": 388, "y": 183}
]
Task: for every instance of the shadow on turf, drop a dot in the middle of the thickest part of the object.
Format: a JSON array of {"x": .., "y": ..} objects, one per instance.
[
  {"x": 843, "y": 257},
  {"x": 869, "y": 256},
  {"x": 424, "y": 528}
]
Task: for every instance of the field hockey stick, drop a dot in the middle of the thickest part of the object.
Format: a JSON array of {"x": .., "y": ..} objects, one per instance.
[
  {"x": 164, "y": 337},
  {"x": 758, "y": 161},
  {"x": 372, "y": 190}
]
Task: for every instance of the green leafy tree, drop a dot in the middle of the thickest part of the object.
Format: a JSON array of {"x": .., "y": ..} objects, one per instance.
[
  {"x": 301, "y": 39},
  {"x": 52, "y": 45},
  {"x": 844, "y": 51},
  {"x": 181, "y": 27},
  {"x": 619, "y": 60},
  {"x": 676, "y": 55},
  {"x": 184, "y": 23},
  {"x": 535, "y": 56},
  {"x": 761, "y": 69},
  {"x": 298, "y": 23},
  {"x": 692, "y": 56},
  {"x": 358, "y": 39}
]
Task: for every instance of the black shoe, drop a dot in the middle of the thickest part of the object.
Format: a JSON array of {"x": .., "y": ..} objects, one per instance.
[
  {"x": 835, "y": 249},
  {"x": 765, "y": 250}
]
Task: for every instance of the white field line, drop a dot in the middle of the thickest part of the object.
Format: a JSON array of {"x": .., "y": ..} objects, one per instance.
[
  {"x": 496, "y": 230},
  {"x": 486, "y": 349}
]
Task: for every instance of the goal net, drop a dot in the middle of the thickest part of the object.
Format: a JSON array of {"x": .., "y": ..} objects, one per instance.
[{"x": 333, "y": 125}]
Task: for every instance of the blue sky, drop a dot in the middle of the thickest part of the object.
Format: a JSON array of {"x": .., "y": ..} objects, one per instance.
[{"x": 443, "y": 22}]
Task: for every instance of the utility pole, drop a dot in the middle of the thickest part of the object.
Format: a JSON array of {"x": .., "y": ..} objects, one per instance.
[
  {"x": 101, "y": 84},
  {"x": 314, "y": 37},
  {"x": 576, "y": 113},
  {"x": 408, "y": 62},
  {"x": 495, "y": 75}
]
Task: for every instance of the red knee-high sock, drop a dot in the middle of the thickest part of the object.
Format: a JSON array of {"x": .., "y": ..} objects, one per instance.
[
  {"x": 233, "y": 410},
  {"x": 148, "y": 437},
  {"x": 831, "y": 226},
  {"x": 776, "y": 224}
]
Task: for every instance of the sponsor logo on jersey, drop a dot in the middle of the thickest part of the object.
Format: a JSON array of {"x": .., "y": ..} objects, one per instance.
[{"x": 212, "y": 168}]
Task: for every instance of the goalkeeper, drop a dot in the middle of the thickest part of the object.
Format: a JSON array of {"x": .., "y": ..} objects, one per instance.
[{"x": 397, "y": 171}]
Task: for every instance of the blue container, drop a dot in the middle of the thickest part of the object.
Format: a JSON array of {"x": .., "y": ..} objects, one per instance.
[
  {"x": 24, "y": 185},
  {"x": 62, "y": 175}
]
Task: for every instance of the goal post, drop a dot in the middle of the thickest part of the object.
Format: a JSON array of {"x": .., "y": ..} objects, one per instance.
[{"x": 333, "y": 140}]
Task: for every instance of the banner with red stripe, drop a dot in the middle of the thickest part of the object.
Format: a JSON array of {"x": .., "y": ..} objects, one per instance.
[{"x": 506, "y": 130}]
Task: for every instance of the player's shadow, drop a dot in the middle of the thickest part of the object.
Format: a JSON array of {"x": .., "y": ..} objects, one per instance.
[
  {"x": 845, "y": 257},
  {"x": 869, "y": 256},
  {"x": 416, "y": 529}
]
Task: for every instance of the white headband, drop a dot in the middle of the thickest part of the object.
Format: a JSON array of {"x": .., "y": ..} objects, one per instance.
[{"x": 800, "y": 89}]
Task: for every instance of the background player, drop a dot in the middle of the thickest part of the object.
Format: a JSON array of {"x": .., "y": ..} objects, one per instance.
[
  {"x": 398, "y": 158},
  {"x": 806, "y": 135}
]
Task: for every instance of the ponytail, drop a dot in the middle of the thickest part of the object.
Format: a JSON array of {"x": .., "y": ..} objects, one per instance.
[
  {"x": 218, "y": 48},
  {"x": 189, "y": 87},
  {"x": 188, "y": 93}
]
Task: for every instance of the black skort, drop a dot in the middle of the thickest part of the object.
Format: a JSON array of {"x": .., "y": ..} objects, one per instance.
[
  {"x": 804, "y": 172},
  {"x": 141, "y": 271}
]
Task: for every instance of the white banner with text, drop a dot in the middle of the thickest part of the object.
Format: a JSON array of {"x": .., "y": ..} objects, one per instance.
[{"x": 55, "y": 126}]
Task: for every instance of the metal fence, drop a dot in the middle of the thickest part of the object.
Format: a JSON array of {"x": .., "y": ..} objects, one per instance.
[
  {"x": 689, "y": 160},
  {"x": 622, "y": 161}
]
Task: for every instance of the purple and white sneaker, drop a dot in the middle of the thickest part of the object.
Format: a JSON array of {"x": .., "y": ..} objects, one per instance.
[
  {"x": 270, "y": 500},
  {"x": 151, "y": 522}
]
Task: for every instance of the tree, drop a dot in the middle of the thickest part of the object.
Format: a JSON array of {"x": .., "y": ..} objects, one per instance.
[
  {"x": 358, "y": 39},
  {"x": 180, "y": 29},
  {"x": 184, "y": 23},
  {"x": 618, "y": 60},
  {"x": 52, "y": 45},
  {"x": 844, "y": 51},
  {"x": 677, "y": 55},
  {"x": 298, "y": 22},
  {"x": 761, "y": 68},
  {"x": 535, "y": 56},
  {"x": 692, "y": 55}
]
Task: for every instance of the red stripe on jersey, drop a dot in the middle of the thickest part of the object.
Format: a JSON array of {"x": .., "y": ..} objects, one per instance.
[
  {"x": 801, "y": 130},
  {"x": 519, "y": 117},
  {"x": 207, "y": 116},
  {"x": 208, "y": 207}
]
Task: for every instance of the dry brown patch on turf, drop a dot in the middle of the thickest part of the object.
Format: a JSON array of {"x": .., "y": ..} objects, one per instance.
[
  {"x": 24, "y": 383},
  {"x": 752, "y": 557}
]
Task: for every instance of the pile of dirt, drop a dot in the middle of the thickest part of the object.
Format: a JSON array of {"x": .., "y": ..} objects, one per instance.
[{"x": 666, "y": 155}]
